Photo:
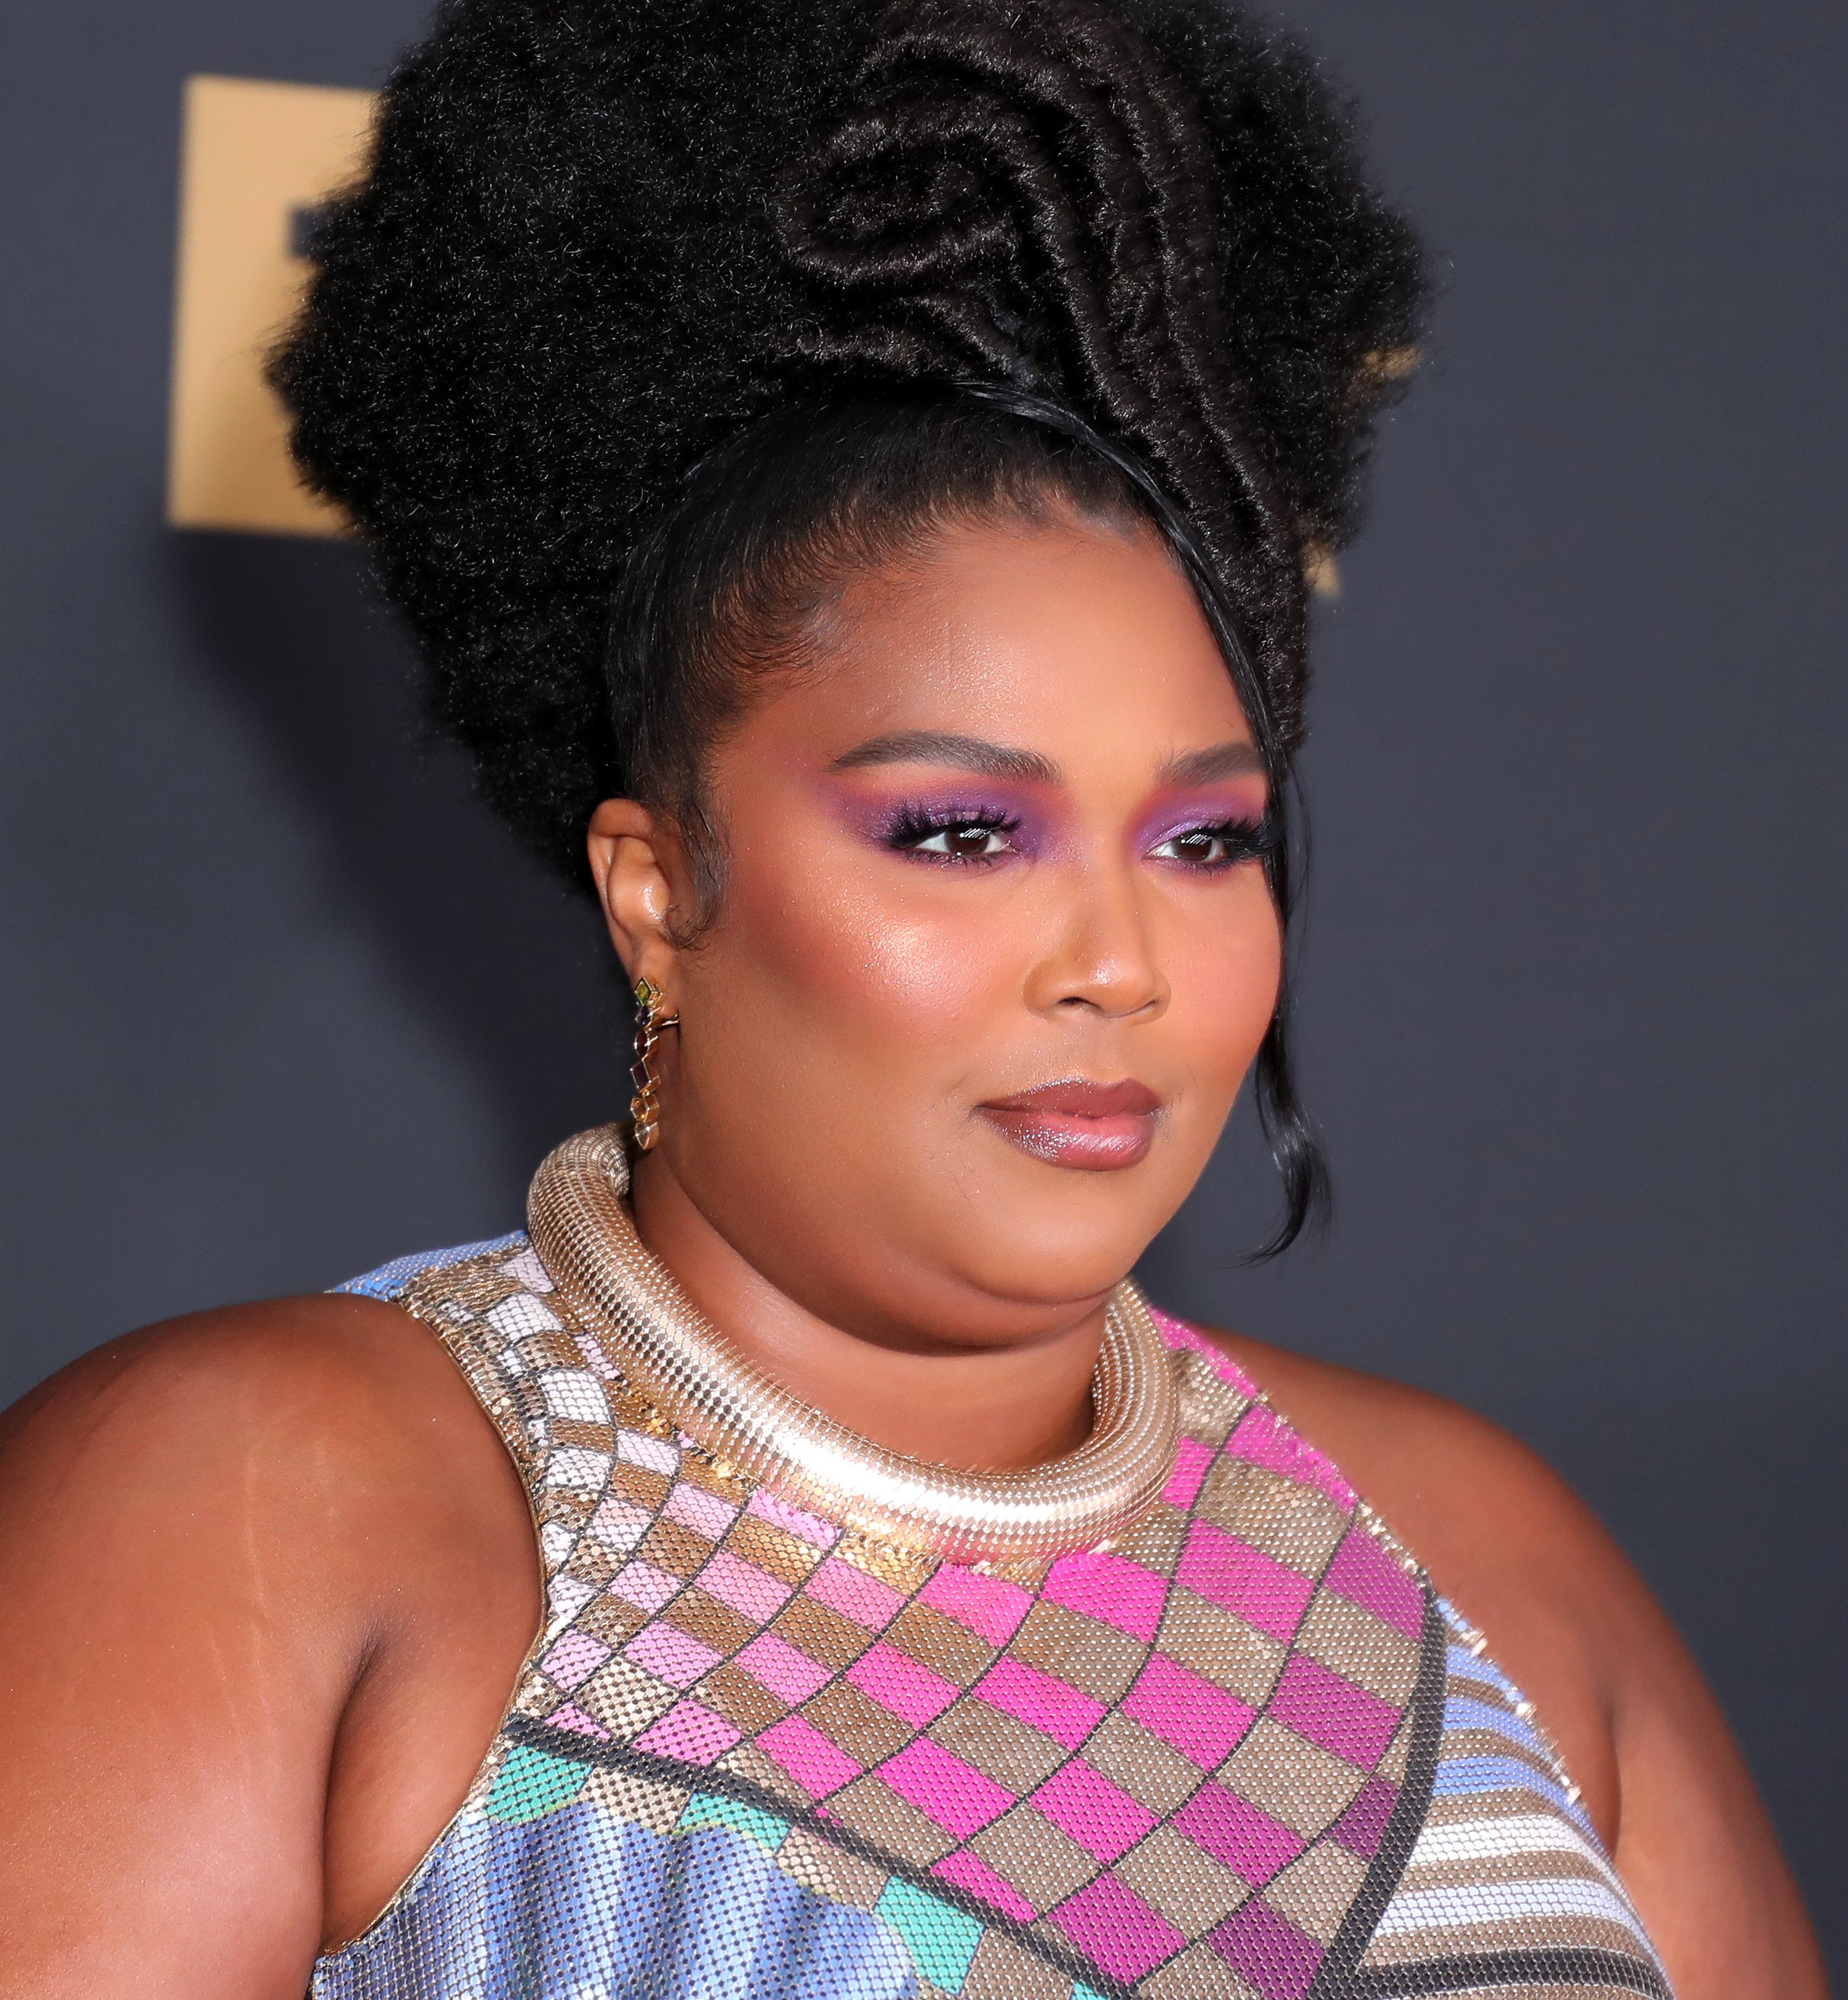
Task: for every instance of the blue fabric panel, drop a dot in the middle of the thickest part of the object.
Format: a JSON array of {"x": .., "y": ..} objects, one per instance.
[
  {"x": 583, "y": 1904},
  {"x": 389, "y": 1280}
]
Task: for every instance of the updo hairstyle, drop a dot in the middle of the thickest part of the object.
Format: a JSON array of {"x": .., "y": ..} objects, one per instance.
[{"x": 650, "y": 321}]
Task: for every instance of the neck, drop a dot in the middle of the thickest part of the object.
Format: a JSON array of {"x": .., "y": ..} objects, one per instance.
[{"x": 978, "y": 1408}]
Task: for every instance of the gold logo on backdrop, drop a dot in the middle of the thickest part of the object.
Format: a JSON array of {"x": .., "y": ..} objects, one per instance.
[{"x": 257, "y": 157}]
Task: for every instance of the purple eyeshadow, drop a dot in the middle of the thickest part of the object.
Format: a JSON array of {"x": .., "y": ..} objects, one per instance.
[
  {"x": 1242, "y": 806},
  {"x": 889, "y": 818}
]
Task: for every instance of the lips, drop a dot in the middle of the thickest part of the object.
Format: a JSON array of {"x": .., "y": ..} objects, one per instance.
[{"x": 1075, "y": 1122}]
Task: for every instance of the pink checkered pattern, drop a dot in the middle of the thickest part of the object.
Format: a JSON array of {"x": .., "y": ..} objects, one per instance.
[{"x": 1174, "y": 1759}]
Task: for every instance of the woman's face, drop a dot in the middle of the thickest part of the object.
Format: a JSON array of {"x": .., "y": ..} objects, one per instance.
[{"x": 994, "y": 949}]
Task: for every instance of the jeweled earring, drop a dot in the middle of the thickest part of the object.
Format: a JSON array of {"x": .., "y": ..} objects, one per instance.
[{"x": 644, "y": 1107}]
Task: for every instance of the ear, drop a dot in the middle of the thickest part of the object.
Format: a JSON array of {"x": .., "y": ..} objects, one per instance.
[{"x": 633, "y": 853}]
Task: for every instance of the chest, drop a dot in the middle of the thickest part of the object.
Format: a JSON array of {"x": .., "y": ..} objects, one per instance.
[{"x": 753, "y": 1753}]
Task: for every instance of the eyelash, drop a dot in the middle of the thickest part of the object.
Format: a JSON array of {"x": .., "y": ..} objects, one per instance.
[
  {"x": 1243, "y": 839},
  {"x": 913, "y": 826}
]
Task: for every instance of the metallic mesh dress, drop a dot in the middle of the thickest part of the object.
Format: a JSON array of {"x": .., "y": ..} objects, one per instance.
[{"x": 1246, "y": 1753}]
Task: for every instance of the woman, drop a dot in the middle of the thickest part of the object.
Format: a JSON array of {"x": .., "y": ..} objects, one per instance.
[{"x": 853, "y": 480}]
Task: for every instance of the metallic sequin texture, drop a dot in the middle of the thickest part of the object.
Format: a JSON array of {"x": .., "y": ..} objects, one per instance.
[
  {"x": 1246, "y": 1753},
  {"x": 687, "y": 1370}
]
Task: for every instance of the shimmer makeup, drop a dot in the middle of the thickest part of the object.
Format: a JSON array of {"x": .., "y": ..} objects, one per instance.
[{"x": 1096, "y": 1127}]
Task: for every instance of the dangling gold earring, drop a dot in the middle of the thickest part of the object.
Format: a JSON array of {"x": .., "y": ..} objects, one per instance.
[{"x": 644, "y": 1107}]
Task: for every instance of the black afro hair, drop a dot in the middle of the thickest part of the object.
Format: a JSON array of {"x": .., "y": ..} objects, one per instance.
[{"x": 599, "y": 238}]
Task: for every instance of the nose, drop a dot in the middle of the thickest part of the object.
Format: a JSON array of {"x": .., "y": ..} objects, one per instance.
[{"x": 1100, "y": 958}]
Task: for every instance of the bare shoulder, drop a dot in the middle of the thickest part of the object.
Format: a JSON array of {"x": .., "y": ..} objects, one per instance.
[
  {"x": 237, "y": 1552},
  {"x": 333, "y": 1394},
  {"x": 1521, "y": 1556},
  {"x": 287, "y": 1472},
  {"x": 323, "y": 1452}
]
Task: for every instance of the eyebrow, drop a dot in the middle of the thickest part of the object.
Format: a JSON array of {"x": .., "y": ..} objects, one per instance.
[
  {"x": 942, "y": 746},
  {"x": 1219, "y": 760},
  {"x": 999, "y": 760}
]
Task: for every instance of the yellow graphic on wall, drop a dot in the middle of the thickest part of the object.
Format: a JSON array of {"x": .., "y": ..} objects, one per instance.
[{"x": 257, "y": 157}]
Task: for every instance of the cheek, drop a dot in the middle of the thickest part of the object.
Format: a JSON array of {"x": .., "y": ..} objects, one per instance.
[
  {"x": 1224, "y": 965},
  {"x": 859, "y": 952}
]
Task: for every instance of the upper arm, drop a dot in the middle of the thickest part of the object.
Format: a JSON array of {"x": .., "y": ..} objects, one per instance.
[
  {"x": 1694, "y": 1845},
  {"x": 1573, "y": 1622},
  {"x": 180, "y": 1626},
  {"x": 1508, "y": 1542}
]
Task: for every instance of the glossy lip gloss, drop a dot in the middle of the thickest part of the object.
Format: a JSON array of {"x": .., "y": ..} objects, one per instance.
[{"x": 1097, "y": 1127}]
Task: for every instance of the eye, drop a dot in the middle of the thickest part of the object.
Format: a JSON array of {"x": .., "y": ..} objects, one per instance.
[
  {"x": 1224, "y": 846},
  {"x": 965, "y": 840}
]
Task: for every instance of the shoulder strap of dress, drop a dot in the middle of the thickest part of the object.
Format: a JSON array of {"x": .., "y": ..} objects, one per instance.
[{"x": 487, "y": 1303}]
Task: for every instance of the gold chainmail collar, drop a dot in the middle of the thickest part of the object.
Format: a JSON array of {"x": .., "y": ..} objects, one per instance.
[{"x": 675, "y": 1359}]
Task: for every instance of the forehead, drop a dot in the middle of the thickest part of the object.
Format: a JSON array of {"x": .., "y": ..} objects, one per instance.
[{"x": 1078, "y": 637}]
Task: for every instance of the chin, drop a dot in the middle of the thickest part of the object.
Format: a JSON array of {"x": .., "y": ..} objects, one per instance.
[{"x": 1050, "y": 1259}]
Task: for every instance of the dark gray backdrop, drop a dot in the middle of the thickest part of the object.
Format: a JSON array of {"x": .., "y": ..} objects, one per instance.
[{"x": 278, "y": 1002}]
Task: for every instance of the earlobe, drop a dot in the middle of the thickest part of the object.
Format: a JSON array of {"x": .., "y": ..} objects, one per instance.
[{"x": 625, "y": 847}]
